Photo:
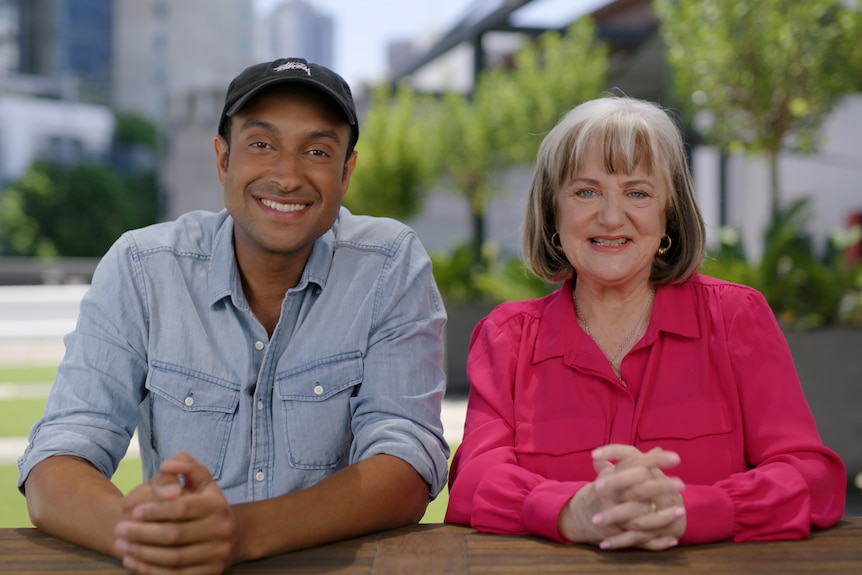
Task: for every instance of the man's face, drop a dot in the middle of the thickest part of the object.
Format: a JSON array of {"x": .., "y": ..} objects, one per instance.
[{"x": 284, "y": 172}]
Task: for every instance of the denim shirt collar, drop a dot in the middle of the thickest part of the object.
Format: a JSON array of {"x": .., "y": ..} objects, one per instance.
[{"x": 224, "y": 279}]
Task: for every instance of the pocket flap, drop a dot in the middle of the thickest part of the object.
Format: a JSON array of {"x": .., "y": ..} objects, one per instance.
[
  {"x": 685, "y": 420},
  {"x": 559, "y": 436},
  {"x": 321, "y": 380},
  {"x": 192, "y": 391}
]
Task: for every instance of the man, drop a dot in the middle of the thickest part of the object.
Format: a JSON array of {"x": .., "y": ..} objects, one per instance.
[{"x": 281, "y": 360}]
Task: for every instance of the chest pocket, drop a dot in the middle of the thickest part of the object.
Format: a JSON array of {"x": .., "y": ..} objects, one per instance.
[
  {"x": 684, "y": 421},
  {"x": 191, "y": 412},
  {"x": 316, "y": 407},
  {"x": 560, "y": 449},
  {"x": 700, "y": 432}
]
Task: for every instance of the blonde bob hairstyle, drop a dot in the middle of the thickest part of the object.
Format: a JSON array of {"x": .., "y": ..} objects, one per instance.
[{"x": 627, "y": 132}]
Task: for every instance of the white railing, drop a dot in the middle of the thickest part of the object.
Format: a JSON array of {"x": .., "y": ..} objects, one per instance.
[{"x": 40, "y": 310}]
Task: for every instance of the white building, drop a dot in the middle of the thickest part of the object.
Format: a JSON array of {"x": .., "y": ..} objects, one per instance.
[{"x": 31, "y": 128}]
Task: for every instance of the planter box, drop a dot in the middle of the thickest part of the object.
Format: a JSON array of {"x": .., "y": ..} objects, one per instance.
[
  {"x": 829, "y": 362},
  {"x": 463, "y": 317}
]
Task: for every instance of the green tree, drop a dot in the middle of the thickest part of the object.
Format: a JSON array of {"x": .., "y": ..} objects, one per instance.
[
  {"x": 72, "y": 211},
  {"x": 57, "y": 210},
  {"x": 132, "y": 130},
  {"x": 767, "y": 72},
  {"x": 395, "y": 156}
]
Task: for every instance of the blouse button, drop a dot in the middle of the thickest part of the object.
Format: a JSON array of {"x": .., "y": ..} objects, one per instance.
[
  {"x": 259, "y": 405},
  {"x": 318, "y": 389},
  {"x": 259, "y": 476},
  {"x": 258, "y": 345},
  {"x": 189, "y": 401}
]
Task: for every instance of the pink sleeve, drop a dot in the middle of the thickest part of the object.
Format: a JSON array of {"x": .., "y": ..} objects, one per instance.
[
  {"x": 795, "y": 482},
  {"x": 488, "y": 490}
]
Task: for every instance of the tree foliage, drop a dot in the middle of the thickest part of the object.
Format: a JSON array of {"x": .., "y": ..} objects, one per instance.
[
  {"x": 60, "y": 210},
  {"x": 395, "y": 156},
  {"x": 73, "y": 211},
  {"x": 133, "y": 130},
  {"x": 767, "y": 73}
]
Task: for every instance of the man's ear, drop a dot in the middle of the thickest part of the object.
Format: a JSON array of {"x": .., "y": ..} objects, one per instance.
[
  {"x": 222, "y": 153},
  {"x": 349, "y": 166}
]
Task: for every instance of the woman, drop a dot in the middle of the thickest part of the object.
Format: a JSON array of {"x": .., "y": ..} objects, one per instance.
[{"x": 641, "y": 404}]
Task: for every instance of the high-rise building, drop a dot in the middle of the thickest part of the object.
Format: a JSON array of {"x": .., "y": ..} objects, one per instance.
[
  {"x": 173, "y": 60},
  {"x": 298, "y": 29},
  {"x": 8, "y": 35},
  {"x": 168, "y": 49},
  {"x": 64, "y": 39}
]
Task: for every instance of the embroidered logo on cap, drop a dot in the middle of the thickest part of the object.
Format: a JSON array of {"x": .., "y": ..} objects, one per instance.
[{"x": 293, "y": 66}]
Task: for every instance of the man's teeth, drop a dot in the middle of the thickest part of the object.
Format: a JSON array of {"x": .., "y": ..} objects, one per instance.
[
  {"x": 610, "y": 243},
  {"x": 282, "y": 207}
]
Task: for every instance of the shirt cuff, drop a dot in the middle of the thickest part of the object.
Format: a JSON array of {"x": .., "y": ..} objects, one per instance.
[
  {"x": 709, "y": 515},
  {"x": 543, "y": 506}
]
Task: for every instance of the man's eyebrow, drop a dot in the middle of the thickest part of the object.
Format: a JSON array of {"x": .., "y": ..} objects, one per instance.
[
  {"x": 252, "y": 123},
  {"x": 327, "y": 134},
  {"x": 272, "y": 128}
]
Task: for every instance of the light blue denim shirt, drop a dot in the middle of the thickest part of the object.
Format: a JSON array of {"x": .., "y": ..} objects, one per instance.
[{"x": 166, "y": 343}]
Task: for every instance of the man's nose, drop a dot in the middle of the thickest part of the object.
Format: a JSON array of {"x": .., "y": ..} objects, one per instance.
[{"x": 287, "y": 172}]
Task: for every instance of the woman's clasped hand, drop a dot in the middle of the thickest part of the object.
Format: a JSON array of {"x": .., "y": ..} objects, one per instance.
[{"x": 632, "y": 502}]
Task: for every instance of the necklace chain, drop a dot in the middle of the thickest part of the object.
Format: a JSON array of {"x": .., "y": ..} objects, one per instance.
[{"x": 627, "y": 341}]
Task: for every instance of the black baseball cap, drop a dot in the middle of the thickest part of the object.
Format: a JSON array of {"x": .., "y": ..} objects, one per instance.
[{"x": 284, "y": 71}]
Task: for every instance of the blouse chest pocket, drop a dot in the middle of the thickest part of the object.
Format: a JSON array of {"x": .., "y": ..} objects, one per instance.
[
  {"x": 191, "y": 412},
  {"x": 559, "y": 449},
  {"x": 316, "y": 411},
  {"x": 701, "y": 432},
  {"x": 685, "y": 421}
]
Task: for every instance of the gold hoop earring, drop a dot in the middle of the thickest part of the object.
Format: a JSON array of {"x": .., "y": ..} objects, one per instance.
[
  {"x": 555, "y": 241},
  {"x": 662, "y": 250}
]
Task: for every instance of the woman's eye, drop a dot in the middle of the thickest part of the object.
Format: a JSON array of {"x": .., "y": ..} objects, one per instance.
[{"x": 586, "y": 193}]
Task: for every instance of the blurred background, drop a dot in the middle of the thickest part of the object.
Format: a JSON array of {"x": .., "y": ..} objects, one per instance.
[{"x": 108, "y": 109}]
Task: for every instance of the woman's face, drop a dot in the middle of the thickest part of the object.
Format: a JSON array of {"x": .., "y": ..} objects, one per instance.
[{"x": 611, "y": 225}]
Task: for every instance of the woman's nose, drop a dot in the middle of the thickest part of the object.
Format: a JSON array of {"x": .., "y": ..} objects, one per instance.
[{"x": 611, "y": 213}]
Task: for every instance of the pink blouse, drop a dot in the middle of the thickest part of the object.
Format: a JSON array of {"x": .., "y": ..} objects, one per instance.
[{"x": 716, "y": 384}]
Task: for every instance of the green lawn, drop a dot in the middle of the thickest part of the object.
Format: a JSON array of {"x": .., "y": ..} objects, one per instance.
[
  {"x": 16, "y": 417},
  {"x": 25, "y": 374}
]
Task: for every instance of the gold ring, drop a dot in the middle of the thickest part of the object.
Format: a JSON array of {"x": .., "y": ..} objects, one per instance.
[{"x": 652, "y": 505}]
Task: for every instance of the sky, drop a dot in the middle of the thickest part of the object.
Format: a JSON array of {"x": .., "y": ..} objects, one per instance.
[{"x": 363, "y": 28}]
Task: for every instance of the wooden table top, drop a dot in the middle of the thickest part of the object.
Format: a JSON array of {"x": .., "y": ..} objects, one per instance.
[{"x": 447, "y": 549}]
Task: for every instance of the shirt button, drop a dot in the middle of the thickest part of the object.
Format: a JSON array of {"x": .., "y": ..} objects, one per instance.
[
  {"x": 258, "y": 345},
  {"x": 318, "y": 389},
  {"x": 259, "y": 476},
  {"x": 189, "y": 401},
  {"x": 259, "y": 405}
]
